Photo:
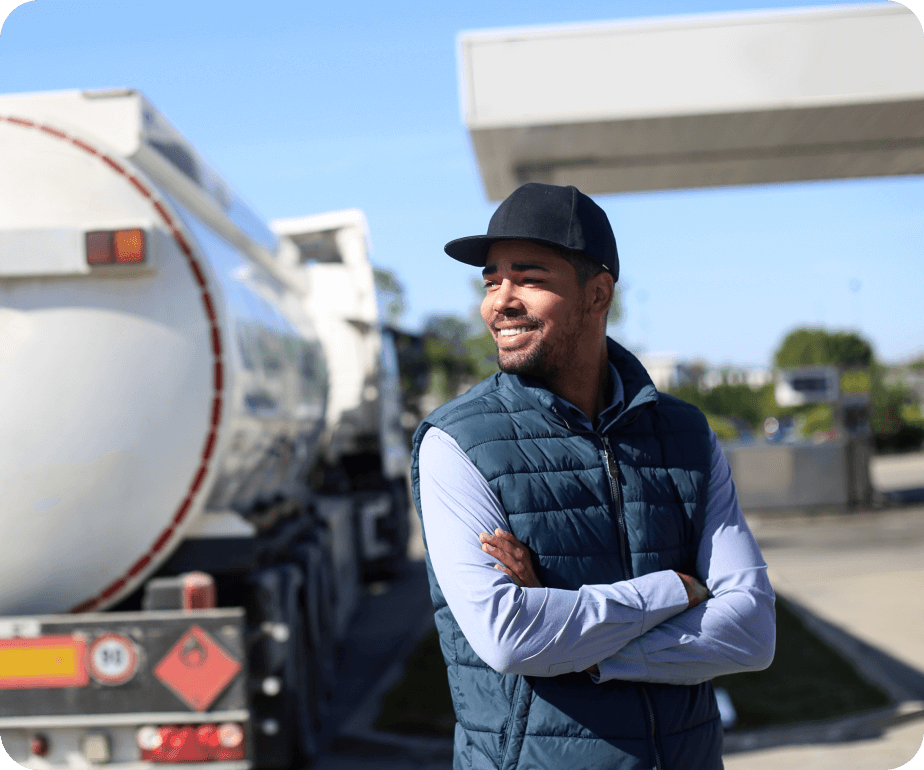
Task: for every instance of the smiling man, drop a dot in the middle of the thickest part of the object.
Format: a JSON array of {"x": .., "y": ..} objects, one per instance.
[{"x": 589, "y": 564}]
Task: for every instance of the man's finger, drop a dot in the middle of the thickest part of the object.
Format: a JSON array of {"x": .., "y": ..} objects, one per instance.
[
  {"x": 504, "y": 545},
  {"x": 509, "y": 574},
  {"x": 502, "y": 533},
  {"x": 509, "y": 557},
  {"x": 515, "y": 561},
  {"x": 504, "y": 540},
  {"x": 513, "y": 556}
]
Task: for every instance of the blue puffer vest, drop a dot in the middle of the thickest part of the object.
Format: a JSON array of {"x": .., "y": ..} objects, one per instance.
[{"x": 554, "y": 484}]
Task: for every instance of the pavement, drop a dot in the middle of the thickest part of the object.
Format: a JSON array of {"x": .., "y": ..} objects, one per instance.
[{"x": 857, "y": 578}]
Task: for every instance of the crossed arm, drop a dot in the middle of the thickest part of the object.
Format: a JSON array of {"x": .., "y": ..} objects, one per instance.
[
  {"x": 515, "y": 561},
  {"x": 645, "y": 629}
]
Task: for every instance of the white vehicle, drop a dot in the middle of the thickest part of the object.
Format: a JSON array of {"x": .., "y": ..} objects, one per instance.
[{"x": 190, "y": 401}]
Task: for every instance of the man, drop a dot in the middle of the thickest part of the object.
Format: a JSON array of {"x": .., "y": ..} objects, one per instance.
[{"x": 588, "y": 561}]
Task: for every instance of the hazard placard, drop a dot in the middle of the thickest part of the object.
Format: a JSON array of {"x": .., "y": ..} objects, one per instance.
[{"x": 197, "y": 669}]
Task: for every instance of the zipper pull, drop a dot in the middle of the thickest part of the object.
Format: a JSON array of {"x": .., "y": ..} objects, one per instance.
[
  {"x": 610, "y": 460},
  {"x": 560, "y": 417}
]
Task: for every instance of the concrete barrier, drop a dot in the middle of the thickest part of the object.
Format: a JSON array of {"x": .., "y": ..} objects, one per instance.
[{"x": 800, "y": 475}]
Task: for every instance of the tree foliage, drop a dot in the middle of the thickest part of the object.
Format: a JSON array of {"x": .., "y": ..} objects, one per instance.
[
  {"x": 750, "y": 405},
  {"x": 808, "y": 347},
  {"x": 391, "y": 293},
  {"x": 456, "y": 358}
]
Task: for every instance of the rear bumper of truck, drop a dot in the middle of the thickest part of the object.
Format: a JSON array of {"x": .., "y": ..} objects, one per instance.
[
  {"x": 181, "y": 674},
  {"x": 65, "y": 736}
]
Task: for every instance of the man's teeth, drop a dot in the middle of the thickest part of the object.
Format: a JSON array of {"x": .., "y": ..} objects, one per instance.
[{"x": 513, "y": 332}]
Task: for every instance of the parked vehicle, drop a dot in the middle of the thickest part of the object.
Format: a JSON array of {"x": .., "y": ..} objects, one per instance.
[{"x": 201, "y": 448}]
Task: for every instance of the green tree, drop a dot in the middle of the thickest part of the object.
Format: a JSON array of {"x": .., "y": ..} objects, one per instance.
[
  {"x": 741, "y": 402},
  {"x": 390, "y": 293},
  {"x": 808, "y": 347},
  {"x": 449, "y": 354}
]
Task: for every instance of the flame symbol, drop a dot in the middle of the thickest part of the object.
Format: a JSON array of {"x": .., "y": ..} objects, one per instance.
[{"x": 193, "y": 653}]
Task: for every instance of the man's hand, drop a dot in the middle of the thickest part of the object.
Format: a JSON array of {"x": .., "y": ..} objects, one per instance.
[
  {"x": 513, "y": 555},
  {"x": 696, "y": 591}
]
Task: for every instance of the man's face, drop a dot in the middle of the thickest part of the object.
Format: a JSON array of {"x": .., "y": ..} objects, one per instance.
[{"x": 534, "y": 307}]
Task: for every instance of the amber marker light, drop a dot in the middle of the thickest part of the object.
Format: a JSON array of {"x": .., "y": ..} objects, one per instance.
[{"x": 128, "y": 246}]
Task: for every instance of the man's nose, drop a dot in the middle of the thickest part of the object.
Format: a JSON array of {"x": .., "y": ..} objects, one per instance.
[{"x": 507, "y": 300}]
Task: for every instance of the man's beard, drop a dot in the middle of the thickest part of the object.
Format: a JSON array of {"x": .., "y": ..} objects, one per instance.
[
  {"x": 531, "y": 363},
  {"x": 544, "y": 359}
]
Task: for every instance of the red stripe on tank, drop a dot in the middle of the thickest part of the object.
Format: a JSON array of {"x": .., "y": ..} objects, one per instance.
[
  {"x": 139, "y": 187},
  {"x": 53, "y": 132},
  {"x": 83, "y": 146},
  {"x": 113, "y": 165}
]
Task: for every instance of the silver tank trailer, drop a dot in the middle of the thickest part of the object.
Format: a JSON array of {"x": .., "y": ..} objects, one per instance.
[{"x": 147, "y": 400}]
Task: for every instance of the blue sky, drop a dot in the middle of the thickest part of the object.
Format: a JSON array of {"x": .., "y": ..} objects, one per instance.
[{"x": 306, "y": 107}]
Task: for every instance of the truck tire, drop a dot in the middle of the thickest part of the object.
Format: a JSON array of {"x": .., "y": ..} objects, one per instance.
[
  {"x": 308, "y": 722},
  {"x": 320, "y": 646},
  {"x": 284, "y": 654}
]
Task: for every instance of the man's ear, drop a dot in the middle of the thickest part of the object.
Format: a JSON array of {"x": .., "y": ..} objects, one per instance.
[{"x": 600, "y": 290}]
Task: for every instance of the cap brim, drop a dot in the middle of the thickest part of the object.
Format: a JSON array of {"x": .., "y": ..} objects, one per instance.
[{"x": 473, "y": 250}]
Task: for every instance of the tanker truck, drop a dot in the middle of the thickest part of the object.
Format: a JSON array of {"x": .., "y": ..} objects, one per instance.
[{"x": 201, "y": 449}]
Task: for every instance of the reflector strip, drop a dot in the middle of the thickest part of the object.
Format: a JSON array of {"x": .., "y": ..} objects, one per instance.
[{"x": 49, "y": 661}]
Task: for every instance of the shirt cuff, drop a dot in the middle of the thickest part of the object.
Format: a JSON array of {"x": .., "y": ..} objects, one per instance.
[
  {"x": 631, "y": 665},
  {"x": 664, "y": 596}
]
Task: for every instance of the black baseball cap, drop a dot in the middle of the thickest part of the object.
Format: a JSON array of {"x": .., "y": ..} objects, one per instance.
[{"x": 559, "y": 217}]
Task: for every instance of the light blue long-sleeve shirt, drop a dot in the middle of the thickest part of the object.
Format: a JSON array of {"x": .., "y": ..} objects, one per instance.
[{"x": 637, "y": 630}]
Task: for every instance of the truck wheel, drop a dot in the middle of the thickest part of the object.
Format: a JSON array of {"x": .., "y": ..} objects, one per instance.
[
  {"x": 324, "y": 641},
  {"x": 319, "y": 649},
  {"x": 307, "y": 740},
  {"x": 282, "y": 653},
  {"x": 401, "y": 500}
]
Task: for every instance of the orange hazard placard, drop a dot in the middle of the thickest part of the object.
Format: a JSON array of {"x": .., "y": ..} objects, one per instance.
[{"x": 197, "y": 669}]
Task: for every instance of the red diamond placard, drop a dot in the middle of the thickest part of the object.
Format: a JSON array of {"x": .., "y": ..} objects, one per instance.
[{"x": 197, "y": 669}]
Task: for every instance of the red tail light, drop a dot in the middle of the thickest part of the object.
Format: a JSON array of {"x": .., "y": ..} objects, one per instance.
[
  {"x": 192, "y": 743},
  {"x": 39, "y": 745},
  {"x": 116, "y": 247},
  {"x": 99, "y": 249}
]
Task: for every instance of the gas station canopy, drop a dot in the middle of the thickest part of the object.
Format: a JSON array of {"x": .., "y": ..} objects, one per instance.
[{"x": 698, "y": 101}]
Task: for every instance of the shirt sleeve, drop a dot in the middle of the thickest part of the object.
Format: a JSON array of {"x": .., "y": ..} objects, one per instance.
[
  {"x": 732, "y": 631},
  {"x": 530, "y": 631}
]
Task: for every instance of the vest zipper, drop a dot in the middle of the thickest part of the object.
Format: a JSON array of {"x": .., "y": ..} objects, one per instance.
[
  {"x": 651, "y": 721},
  {"x": 612, "y": 470}
]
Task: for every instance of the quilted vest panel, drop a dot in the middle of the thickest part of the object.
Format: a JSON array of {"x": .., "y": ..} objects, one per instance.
[{"x": 553, "y": 483}]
